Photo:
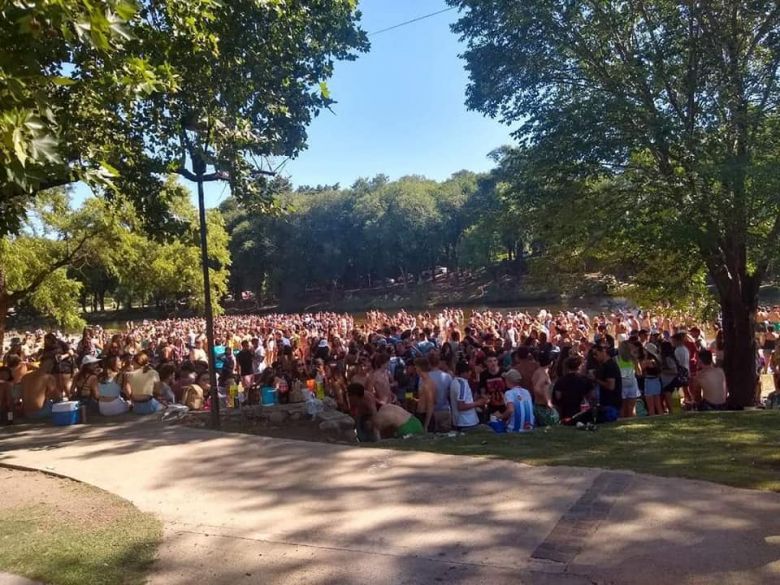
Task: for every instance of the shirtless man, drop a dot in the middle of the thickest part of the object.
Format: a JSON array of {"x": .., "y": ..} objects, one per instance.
[
  {"x": 362, "y": 407},
  {"x": 39, "y": 391},
  {"x": 378, "y": 382},
  {"x": 709, "y": 384},
  {"x": 359, "y": 374},
  {"x": 394, "y": 420},
  {"x": 426, "y": 395}
]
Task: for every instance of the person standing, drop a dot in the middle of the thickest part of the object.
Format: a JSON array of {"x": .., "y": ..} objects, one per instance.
[
  {"x": 608, "y": 377},
  {"x": 442, "y": 411},
  {"x": 464, "y": 407},
  {"x": 682, "y": 357},
  {"x": 245, "y": 361},
  {"x": 629, "y": 368},
  {"x": 426, "y": 394},
  {"x": 651, "y": 368}
]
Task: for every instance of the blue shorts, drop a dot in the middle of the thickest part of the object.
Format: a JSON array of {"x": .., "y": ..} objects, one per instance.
[
  {"x": 44, "y": 412},
  {"x": 148, "y": 407},
  {"x": 652, "y": 386}
]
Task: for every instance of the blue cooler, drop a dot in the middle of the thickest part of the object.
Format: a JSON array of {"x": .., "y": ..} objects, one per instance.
[
  {"x": 65, "y": 413},
  {"x": 498, "y": 426},
  {"x": 268, "y": 396}
]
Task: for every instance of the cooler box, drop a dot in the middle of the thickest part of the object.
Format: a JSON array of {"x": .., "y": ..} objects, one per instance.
[
  {"x": 268, "y": 396},
  {"x": 65, "y": 413}
]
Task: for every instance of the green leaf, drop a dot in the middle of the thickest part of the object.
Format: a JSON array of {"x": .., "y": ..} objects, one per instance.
[
  {"x": 59, "y": 80},
  {"x": 324, "y": 90}
]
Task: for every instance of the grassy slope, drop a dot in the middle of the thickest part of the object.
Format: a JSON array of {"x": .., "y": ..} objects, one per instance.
[
  {"x": 734, "y": 448},
  {"x": 43, "y": 542}
]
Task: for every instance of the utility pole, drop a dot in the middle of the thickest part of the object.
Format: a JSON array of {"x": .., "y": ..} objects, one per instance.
[{"x": 199, "y": 166}]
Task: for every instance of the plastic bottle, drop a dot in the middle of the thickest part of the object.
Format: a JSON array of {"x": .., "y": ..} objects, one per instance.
[
  {"x": 319, "y": 386},
  {"x": 232, "y": 392}
]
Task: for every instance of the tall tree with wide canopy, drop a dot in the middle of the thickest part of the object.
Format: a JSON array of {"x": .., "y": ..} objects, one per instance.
[{"x": 683, "y": 95}]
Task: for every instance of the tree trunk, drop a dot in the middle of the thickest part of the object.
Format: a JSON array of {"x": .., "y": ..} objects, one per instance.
[{"x": 739, "y": 360}]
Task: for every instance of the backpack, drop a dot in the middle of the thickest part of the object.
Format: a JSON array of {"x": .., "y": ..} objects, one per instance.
[
  {"x": 683, "y": 374},
  {"x": 193, "y": 397}
]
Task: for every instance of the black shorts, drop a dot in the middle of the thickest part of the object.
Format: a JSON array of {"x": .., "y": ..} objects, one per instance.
[{"x": 672, "y": 386}]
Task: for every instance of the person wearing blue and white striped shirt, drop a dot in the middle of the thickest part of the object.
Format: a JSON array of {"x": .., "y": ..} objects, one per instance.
[{"x": 519, "y": 413}]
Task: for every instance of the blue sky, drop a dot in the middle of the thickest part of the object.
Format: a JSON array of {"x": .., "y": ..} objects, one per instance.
[{"x": 400, "y": 107}]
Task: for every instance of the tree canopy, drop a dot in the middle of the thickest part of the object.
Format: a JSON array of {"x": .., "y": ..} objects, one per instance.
[
  {"x": 674, "y": 103},
  {"x": 371, "y": 232},
  {"x": 120, "y": 93},
  {"x": 63, "y": 255}
]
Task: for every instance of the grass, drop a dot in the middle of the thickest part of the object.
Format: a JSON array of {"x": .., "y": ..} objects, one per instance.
[
  {"x": 739, "y": 449},
  {"x": 105, "y": 540}
]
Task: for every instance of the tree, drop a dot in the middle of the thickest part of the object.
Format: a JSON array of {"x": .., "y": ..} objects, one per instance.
[
  {"x": 67, "y": 77},
  {"x": 681, "y": 97},
  {"x": 34, "y": 264}
]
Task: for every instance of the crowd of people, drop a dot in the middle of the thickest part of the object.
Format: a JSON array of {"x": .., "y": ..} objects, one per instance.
[{"x": 397, "y": 374}]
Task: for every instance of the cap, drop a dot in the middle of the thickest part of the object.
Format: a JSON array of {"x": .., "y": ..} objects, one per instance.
[
  {"x": 89, "y": 359},
  {"x": 512, "y": 377},
  {"x": 652, "y": 349}
]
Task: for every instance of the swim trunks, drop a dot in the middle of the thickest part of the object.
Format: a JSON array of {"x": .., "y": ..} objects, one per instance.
[{"x": 411, "y": 427}]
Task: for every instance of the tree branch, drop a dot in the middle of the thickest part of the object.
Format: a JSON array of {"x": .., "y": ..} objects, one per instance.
[{"x": 38, "y": 280}]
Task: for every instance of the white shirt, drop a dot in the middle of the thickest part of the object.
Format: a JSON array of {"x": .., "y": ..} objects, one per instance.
[
  {"x": 461, "y": 392},
  {"x": 258, "y": 361}
]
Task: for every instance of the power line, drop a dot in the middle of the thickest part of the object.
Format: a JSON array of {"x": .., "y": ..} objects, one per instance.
[{"x": 419, "y": 18}]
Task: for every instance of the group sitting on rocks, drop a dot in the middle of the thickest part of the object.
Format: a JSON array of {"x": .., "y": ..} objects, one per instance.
[{"x": 396, "y": 375}]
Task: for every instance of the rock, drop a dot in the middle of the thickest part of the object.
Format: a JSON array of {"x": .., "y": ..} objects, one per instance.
[
  {"x": 330, "y": 403},
  {"x": 277, "y": 417},
  {"x": 330, "y": 426}
]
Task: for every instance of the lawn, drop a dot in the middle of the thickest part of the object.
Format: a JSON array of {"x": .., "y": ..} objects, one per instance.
[
  {"x": 740, "y": 449},
  {"x": 61, "y": 532}
]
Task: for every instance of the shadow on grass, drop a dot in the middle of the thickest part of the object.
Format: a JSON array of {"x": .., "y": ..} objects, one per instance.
[{"x": 733, "y": 448}]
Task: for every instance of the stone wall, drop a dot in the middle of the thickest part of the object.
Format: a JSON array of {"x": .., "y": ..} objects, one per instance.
[{"x": 283, "y": 420}]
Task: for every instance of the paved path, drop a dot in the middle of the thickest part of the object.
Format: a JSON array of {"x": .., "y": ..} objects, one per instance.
[
  {"x": 7, "y": 579},
  {"x": 242, "y": 509}
]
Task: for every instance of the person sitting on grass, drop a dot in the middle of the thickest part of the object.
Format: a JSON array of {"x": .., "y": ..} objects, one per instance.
[
  {"x": 194, "y": 395},
  {"x": 388, "y": 420},
  {"x": 40, "y": 391},
  {"x": 571, "y": 389},
  {"x": 84, "y": 386},
  {"x": 166, "y": 395},
  {"x": 142, "y": 384},
  {"x": 709, "y": 384},
  {"x": 110, "y": 403},
  {"x": 519, "y": 413}
]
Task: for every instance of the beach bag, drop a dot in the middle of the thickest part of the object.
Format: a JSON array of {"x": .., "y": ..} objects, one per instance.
[
  {"x": 193, "y": 397},
  {"x": 683, "y": 376}
]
